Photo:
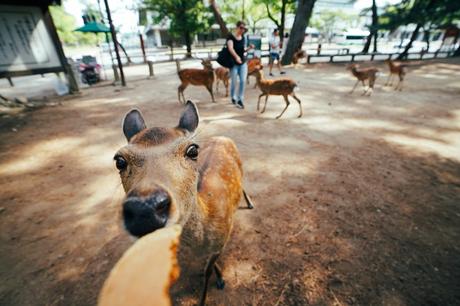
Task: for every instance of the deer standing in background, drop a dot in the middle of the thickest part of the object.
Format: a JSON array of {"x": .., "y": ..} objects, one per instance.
[
  {"x": 280, "y": 87},
  {"x": 253, "y": 64},
  {"x": 222, "y": 74},
  {"x": 363, "y": 74},
  {"x": 297, "y": 56},
  {"x": 197, "y": 77},
  {"x": 396, "y": 69},
  {"x": 170, "y": 179}
]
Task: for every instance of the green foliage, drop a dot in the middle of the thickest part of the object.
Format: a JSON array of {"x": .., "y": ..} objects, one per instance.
[
  {"x": 233, "y": 11},
  {"x": 65, "y": 26},
  {"x": 423, "y": 12},
  {"x": 274, "y": 9},
  {"x": 186, "y": 16},
  {"x": 329, "y": 21}
]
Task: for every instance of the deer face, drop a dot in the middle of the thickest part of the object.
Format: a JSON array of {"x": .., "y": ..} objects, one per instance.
[
  {"x": 207, "y": 64},
  {"x": 158, "y": 170},
  {"x": 352, "y": 66}
]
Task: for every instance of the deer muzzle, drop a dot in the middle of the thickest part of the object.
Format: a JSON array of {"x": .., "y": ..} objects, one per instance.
[{"x": 143, "y": 215}]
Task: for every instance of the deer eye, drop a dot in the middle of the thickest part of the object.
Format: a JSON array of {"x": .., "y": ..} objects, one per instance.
[
  {"x": 192, "y": 151},
  {"x": 120, "y": 162}
]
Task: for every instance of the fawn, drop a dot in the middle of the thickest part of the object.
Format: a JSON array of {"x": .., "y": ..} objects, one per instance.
[
  {"x": 398, "y": 69},
  {"x": 169, "y": 179},
  {"x": 222, "y": 74},
  {"x": 253, "y": 63},
  {"x": 363, "y": 74},
  {"x": 197, "y": 77},
  {"x": 281, "y": 87}
]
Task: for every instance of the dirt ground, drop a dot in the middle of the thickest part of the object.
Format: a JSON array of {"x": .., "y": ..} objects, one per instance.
[{"x": 357, "y": 203}]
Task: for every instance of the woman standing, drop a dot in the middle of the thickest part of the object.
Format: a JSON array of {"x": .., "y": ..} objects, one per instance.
[{"x": 236, "y": 47}]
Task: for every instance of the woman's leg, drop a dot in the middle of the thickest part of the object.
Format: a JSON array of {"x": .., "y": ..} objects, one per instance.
[
  {"x": 242, "y": 73},
  {"x": 233, "y": 77}
]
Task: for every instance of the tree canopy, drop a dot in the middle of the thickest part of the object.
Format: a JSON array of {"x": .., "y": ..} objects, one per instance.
[{"x": 187, "y": 17}]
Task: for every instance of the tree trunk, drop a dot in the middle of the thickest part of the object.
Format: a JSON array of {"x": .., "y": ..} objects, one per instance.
[
  {"x": 457, "y": 52},
  {"x": 368, "y": 43},
  {"x": 409, "y": 45},
  {"x": 188, "y": 43},
  {"x": 218, "y": 17},
  {"x": 283, "y": 18},
  {"x": 373, "y": 30},
  {"x": 302, "y": 17}
]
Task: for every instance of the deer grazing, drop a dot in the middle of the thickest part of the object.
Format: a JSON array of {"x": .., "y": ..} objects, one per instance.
[
  {"x": 253, "y": 64},
  {"x": 170, "y": 179},
  {"x": 281, "y": 87},
  {"x": 396, "y": 69},
  {"x": 197, "y": 77},
  {"x": 363, "y": 74},
  {"x": 222, "y": 74}
]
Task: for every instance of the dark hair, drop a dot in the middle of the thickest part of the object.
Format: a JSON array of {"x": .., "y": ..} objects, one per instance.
[
  {"x": 240, "y": 23},
  {"x": 286, "y": 35},
  {"x": 275, "y": 31}
]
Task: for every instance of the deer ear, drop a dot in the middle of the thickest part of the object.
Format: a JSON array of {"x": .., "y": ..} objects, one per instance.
[
  {"x": 133, "y": 123},
  {"x": 190, "y": 117}
]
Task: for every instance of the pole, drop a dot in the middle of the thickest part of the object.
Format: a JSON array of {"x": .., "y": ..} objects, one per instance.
[
  {"x": 115, "y": 43},
  {"x": 143, "y": 47}
]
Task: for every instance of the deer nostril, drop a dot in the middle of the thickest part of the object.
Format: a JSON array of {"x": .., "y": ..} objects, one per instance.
[{"x": 161, "y": 201}]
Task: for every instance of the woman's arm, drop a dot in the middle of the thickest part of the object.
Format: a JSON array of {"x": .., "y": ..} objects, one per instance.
[{"x": 232, "y": 51}]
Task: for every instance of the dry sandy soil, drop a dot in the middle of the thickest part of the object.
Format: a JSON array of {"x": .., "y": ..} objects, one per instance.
[{"x": 358, "y": 202}]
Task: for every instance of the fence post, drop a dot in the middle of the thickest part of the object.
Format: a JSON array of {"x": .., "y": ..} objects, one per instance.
[
  {"x": 143, "y": 47},
  {"x": 151, "y": 72},
  {"x": 318, "y": 51},
  {"x": 352, "y": 58},
  {"x": 372, "y": 57},
  {"x": 10, "y": 81},
  {"x": 116, "y": 76}
]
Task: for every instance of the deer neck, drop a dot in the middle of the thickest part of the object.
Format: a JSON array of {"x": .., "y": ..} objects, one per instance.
[{"x": 193, "y": 233}]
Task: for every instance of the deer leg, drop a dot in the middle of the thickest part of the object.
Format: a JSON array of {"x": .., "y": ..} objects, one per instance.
[
  {"x": 388, "y": 80},
  {"x": 226, "y": 87},
  {"x": 220, "y": 280},
  {"x": 258, "y": 101},
  {"x": 248, "y": 200},
  {"x": 300, "y": 104},
  {"x": 217, "y": 86},
  {"x": 356, "y": 84},
  {"x": 209, "y": 88},
  {"x": 207, "y": 275},
  {"x": 180, "y": 91},
  {"x": 365, "y": 90},
  {"x": 265, "y": 105},
  {"x": 287, "y": 104}
]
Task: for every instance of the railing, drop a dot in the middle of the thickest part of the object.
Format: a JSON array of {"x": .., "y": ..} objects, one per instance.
[{"x": 360, "y": 57}]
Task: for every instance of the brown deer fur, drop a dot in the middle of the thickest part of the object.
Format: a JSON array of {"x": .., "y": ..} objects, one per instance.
[
  {"x": 204, "y": 191},
  {"x": 197, "y": 77},
  {"x": 253, "y": 64},
  {"x": 396, "y": 69},
  {"x": 222, "y": 74},
  {"x": 281, "y": 87},
  {"x": 297, "y": 56},
  {"x": 363, "y": 74}
]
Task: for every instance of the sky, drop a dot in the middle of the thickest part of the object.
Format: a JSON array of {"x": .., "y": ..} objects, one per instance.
[{"x": 126, "y": 19}]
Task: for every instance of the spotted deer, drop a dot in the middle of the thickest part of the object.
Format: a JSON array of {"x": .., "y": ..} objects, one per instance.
[
  {"x": 279, "y": 87},
  {"x": 396, "y": 69},
  {"x": 253, "y": 64},
  {"x": 198, "y": 77},
  {"x": 222, "y": 74},
  {"x": 171, "y": 179},
  {"x": 363, "y": 74}
]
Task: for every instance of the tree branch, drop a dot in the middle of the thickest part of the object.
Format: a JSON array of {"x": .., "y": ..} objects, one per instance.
[{"x": 271, "y": 16}]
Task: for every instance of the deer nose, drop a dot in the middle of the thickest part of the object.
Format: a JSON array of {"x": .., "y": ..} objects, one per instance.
[{"x": 145, "y": 215}]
